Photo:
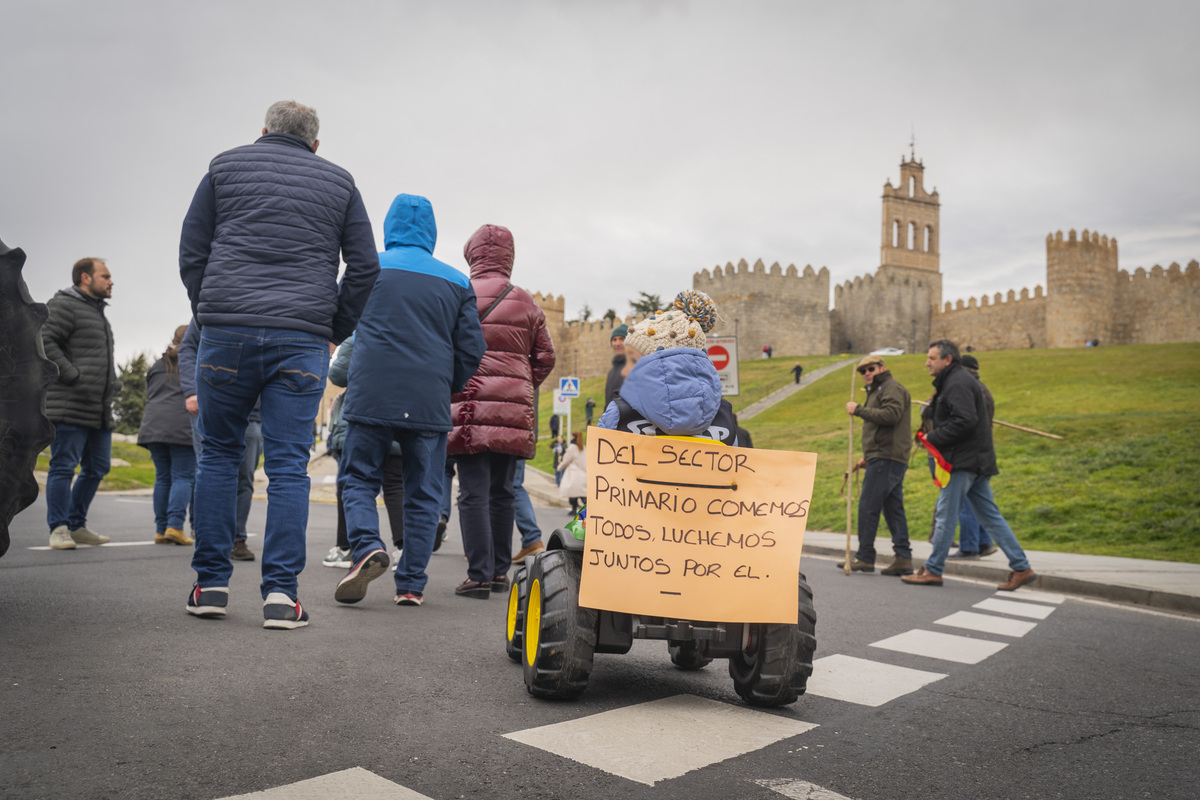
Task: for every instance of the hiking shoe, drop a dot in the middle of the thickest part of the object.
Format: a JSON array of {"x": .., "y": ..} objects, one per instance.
[
  {"x": 338, "y": 558},
  {"x": 1016, "y": 579},
  {"x": 987, "y": 550},
  {"x": 857, "y": 565},
  {"x": 353, "y": 587},
  {"x": 409, "y": 599},
  {"x": 964, "y": 555},
  {"x": 923, "y": 578},
  {"x": 208, "y": 603},
  {"x": 161, "y": 538},
  {"x": 476, "y": 589},
  {"x": 60, "y": 539},
  {"x": 84, "y": 535},
  {"x": 525, "y": 552},
  {"x": 177, "y": 536},
  {"x": 283, "y": 613},
  {"x": 440, "y": 536},
  {"x": 241, "y": 551},
  {"x": 899, "y": 566},
  {"x": 500, "y": 583}
]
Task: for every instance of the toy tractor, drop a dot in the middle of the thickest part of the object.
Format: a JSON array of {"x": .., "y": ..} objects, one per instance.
[{"x": 554, "y": 638}]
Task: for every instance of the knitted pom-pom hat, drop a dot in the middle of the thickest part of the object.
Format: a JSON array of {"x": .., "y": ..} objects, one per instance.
[{"x": 692, "y": 315}]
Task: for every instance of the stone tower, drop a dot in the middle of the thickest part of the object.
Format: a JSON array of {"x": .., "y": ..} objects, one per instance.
[
  {"x": 1081, "y": 288},
  {"x": 910, "y": 225}
]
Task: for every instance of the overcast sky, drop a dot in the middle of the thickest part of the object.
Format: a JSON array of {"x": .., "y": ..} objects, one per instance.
[{"x": 626, "y": 144}]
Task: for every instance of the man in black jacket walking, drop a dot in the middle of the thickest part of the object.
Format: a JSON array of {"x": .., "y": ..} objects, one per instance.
[
  {"x": 78, "y": 338},
  {"x": 962, "y": 433}
]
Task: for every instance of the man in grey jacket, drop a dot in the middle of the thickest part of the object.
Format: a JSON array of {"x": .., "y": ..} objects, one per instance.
[
  {"x": 887, "y": 441},
  {"x": 78, "y": 338}
]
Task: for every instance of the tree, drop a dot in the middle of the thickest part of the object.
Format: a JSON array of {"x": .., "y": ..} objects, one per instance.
[
  {"x": 585, "y": 313},
  {"x": 131, "y": 399},
  {"x": 646, "y": 304},
  {"x": 610, "y": 315}
]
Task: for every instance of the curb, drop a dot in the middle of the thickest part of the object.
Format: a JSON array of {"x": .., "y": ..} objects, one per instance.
[{"x": 1166, "y": 601}]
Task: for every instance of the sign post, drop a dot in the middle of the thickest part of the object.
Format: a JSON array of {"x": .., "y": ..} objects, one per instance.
[
  {"x": 722, "y": 351},
  {"x": 568, "y": 388}
]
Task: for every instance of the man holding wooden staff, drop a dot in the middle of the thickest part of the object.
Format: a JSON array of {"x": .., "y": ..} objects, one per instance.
[
  {"x": 887, "y": 442},
  {"x": 960, "y": 442}
]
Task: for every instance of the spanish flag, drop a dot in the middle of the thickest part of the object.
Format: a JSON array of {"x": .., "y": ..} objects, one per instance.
[{"x": 941, "y": 467}]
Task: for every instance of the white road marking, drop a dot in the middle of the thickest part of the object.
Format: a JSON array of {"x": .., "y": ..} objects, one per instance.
[
  {"x": 1015, "y": 609},
  {"x": 945, "y": 646},
  {"x": 986, "y": 623},
  {"x": 138, "y": 501},
  {"x": 1033, "y": 596},
  {"x": 662, "y": 739},
  {"x": 98, "y": 546},
  {"x": 867, "y": 683},
  {"x": 799, "y": 790},
  {"x": 348, "y": 784}
]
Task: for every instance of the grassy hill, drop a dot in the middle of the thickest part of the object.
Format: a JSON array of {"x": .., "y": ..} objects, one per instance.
[{"x": 1123, "y": 482}]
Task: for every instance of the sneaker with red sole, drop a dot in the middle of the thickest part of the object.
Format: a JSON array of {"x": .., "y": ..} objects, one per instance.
[
  {"x": 409, "y": 599},
  {"x": 353, "y": 587}
]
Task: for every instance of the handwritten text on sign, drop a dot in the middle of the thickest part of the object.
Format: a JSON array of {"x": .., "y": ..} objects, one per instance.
[{"x": 694, "y": 530}]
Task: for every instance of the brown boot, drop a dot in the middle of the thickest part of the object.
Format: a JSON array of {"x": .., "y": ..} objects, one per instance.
[
  {"x": 1016, "y": 579},
  {"x": 899, "y": 566},
  {"x": 923, "y": 578},
  {"x": 241, "y": 552},
  {"x": 858, "y": 566},
  {"x": 178, "y": 537},
  {"x": 524, "y": 552}
]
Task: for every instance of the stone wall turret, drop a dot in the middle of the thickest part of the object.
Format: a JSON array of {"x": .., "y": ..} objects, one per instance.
[{"x": 1081, "y": 286}]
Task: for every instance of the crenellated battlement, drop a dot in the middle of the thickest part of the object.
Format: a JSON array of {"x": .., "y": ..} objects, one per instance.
[
  {"x": 1056, "y": 240},
  {"x": 1141, "y": 273},
  {"x": 999, "y": 299},
  {"x": 720, "y": 278}
]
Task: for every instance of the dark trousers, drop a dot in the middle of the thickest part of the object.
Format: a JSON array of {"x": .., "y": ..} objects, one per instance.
[
  {"x": 485, "y": 513},
  {"x": 393, "y": 501},
  {"x": 882, "y": 490}
]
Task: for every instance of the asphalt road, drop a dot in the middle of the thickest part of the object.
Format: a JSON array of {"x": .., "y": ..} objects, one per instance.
[{"x": 111, "y": 690}]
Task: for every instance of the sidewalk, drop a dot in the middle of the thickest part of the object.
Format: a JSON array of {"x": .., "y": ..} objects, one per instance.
[{"x": 1167, "y": 585}]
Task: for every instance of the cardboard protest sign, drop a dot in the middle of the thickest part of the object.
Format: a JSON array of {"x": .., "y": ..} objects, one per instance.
[{"x": 691, "y": 529}]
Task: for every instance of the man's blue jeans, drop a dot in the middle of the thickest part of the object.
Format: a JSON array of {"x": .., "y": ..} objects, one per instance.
[
  {"x": 523, "y": 508},
  {"x": 235, "y": 367},
  {"x": 174, "y": 477},
  {"x": 448, "y": 487},
  {"x": 360, "y": 476},
  {"x": 971, "y": 487},
  {"x": 246, "y": 470},
  {"x": 882, "y": 490},
  {"x": 972, "y": 538},
  {"x": 91, "y": 450}
]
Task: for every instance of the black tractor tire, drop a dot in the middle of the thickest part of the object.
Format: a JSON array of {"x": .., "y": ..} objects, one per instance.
[
  {"x": 559, "y": 640},
  {"x": 686, "y": 656},
  {"x": 514, "y": 633},
  {"x": 775, "y": 667}
]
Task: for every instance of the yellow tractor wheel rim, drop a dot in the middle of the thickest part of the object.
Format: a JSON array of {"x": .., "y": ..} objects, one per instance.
[
  {"x": 533, "y": 620},
  {"x": 512, "y": 611}
]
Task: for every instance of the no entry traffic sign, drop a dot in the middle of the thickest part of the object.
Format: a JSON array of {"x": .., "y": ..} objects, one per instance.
[{"x": 722, "y": 351}]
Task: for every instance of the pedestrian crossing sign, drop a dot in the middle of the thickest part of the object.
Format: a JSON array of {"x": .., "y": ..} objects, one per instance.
[{"x": 568, "y": 387}]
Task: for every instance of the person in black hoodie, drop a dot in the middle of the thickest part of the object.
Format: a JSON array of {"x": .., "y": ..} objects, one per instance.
[{"x": 962, "y": 433}]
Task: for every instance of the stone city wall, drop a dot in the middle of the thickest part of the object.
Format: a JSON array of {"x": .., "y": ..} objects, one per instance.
[
  {"x": 888, "y": 309},
  {"x": 996, "y": 324},
  {"x": 1162, "y": 305}
]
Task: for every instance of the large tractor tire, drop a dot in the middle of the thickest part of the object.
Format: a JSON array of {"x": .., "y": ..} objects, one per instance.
[
  {"x": 514, "y": 633},
  {"x": 560, "y": 636},
  {"x": 686, "y": 655},
  {"x": 774, "y": 667}
]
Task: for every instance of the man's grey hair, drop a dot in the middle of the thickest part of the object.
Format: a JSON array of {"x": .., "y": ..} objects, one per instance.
[
  {"x": 946, "y": 349},
  {"x": 288, "y": 116}
]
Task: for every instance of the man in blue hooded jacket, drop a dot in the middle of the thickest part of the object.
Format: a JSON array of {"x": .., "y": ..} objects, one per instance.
[{"x": 419, "y": 341}]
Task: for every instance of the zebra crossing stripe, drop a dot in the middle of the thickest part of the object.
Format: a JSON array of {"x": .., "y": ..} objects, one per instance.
[
  {"x": 799, "y": 790},
  {"x": 662, "y": 739},
  {"x": 946, "y": 646},
  {"x": 356, "y": 782},
  {"x": 986, "y": 623},
  {"x": 864, "y": 682},
  {"x": 1028, "y": 610}
]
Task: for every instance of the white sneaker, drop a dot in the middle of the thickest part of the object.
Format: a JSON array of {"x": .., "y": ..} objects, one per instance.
[
  {"x": 396, "y": 559},
  {"x": 338, "y": 559},
  {"x": 84, "y": 535},
  {"x": 60, "y": 539}
]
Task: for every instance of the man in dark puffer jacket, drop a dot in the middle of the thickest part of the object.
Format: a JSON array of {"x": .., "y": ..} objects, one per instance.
[
  {"x": 962, "y": 433},
  {"x": 78, "y": 338},
  {"x": 259, "y": 254}
]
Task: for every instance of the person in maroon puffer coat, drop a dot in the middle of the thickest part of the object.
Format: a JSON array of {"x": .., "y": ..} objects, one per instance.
[{"x": 494, "y": 415}]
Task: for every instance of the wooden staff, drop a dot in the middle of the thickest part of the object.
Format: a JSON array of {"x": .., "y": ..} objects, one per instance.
[
  {"x": 849, "y": 471},
  {"x": 1019, "y": 428}
]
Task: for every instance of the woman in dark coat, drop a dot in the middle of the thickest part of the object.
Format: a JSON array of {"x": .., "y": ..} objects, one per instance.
[
  {"x": 167, "y": 433},
  {"x": 493, "y": 416}
]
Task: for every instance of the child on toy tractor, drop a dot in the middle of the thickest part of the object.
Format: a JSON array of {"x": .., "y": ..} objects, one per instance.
[{"x": 671, "y": 390}]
